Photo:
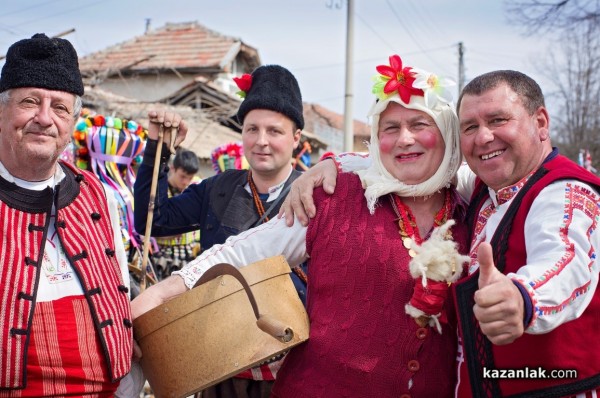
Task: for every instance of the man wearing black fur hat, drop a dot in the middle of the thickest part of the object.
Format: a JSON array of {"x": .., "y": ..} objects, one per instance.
[
  {"x": 236, "y": 200},
  {"x": 65, "y": 323}
]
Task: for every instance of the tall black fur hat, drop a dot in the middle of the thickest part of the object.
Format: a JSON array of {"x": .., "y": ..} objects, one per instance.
[
  {"x": 274, "y": 88},
  {"x": 43, "y": 62}
]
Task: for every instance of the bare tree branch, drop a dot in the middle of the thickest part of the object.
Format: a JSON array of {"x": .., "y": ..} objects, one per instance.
[
  {"x": 538, "y": 17},
  {"x": 572, "y": 64}
]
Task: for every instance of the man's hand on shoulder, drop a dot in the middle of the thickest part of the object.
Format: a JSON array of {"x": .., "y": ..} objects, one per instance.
[{"x": 299, "y": 202}]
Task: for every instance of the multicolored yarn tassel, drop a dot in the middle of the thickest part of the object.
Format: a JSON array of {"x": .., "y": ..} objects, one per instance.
[{"x": 111, "y": 147}]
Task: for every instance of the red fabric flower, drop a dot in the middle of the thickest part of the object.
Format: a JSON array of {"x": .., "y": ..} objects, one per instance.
[
  {"x": 429, "y": 299},
  {"x": 244, "y": 83},
  {"x": 400, "y": 79}
]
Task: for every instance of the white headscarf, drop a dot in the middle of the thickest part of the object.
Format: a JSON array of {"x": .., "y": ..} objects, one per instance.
[{"x": 437, "y": 103}]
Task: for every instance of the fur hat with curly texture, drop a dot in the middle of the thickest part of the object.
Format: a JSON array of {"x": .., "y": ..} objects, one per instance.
[
  {"x": 275, "y": 88},
  {"x": 43, "y": 62}
]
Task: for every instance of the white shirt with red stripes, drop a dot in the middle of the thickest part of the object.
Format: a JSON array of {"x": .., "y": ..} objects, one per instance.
[{"x": 60, "y": 300}]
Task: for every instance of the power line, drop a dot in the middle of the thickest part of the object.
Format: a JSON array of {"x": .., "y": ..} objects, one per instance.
[
  {"x": 36, "y": 5},
  {"x": 403, "y": 25},
  {"x": 8, "y": 29},
  {"x": 371, "y": 60},
  {"x": 497, "y": 54},
  {"x": 409, "y": 33},
  {"x": 66, "y": 32},
  {"x": 426, "y": 20},
  {"x": 374, "y": 32},
  {"x": 57, "y": 14}
]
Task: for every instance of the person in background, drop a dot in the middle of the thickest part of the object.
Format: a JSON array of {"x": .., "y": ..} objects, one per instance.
[
  {"x": 65, "y": 322},
  {"x": 531, "y": 301},
  {"x": 183, "y": 171},
  {"x": 175, "y": 251},
  {"x": 383, "y": 250},
  {"x": 235, "y": 200}
]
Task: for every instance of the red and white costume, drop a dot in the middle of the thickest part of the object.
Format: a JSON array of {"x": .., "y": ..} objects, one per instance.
[
  {"x": 65, "y": 323},
  {"x": 543, "y": 231}
]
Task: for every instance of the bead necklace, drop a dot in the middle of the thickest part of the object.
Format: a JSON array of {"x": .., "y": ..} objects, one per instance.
[
  {"x": 407, "y": 223},
  {"x": 260, "y": 209}
]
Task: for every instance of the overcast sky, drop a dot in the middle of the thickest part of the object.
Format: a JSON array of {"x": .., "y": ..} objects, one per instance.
[{"x": 306, "y": 36}]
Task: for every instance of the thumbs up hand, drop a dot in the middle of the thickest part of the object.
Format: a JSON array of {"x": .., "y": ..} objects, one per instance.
[{"x": 499, "y": 306}]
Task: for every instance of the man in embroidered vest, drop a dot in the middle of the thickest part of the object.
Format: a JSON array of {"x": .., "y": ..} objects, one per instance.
[
  {"x": 531, "y": 303},
  {"x": 65, "y": 323},
  {"x": 235, "y": 200},
  {"x": 363, "y": 342},
  {"x": 534, "y": 290}
]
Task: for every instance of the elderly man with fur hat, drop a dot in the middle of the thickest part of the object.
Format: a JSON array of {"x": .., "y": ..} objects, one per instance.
[
  {"x": 235, "y": 200},
  {"x": 377, "y": 304},
  {"x": 65, "y": 323}
]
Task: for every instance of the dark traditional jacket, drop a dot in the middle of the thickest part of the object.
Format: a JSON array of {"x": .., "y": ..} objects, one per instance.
[
  {"x": 566, "y": 347},
  {"x": 219, "y": 206},
  {"x": 84, "y": 229}
]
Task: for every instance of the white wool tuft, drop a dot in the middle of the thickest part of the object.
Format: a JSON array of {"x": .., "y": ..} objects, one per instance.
[{"x": 435, "y": 259}]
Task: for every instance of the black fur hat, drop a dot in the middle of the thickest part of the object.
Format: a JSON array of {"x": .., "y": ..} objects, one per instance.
[
  {"x": 43, "y": 62},
  {"x": 274, "y": 88}
]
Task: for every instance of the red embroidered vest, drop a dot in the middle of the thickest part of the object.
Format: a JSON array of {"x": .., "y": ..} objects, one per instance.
[
  {"x": 567, "y": 347},
  {"x": 84, "y": 227},
  {"x": 362, "y": 343}
]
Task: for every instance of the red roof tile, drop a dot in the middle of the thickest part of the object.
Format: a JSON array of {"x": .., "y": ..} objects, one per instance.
[
  {"x": 181, "y": 46},
  {"x": 314, "y": 112}
]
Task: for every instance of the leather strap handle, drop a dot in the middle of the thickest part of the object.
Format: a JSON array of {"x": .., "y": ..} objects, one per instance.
[{"x": 266, "y": 323}]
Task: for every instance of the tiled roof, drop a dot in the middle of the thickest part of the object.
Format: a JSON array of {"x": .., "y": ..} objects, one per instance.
[
  {"x": 174, "y": 46},
  {"x": 314, "y": 112}
]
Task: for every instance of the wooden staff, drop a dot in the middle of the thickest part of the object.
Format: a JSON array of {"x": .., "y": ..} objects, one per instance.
[{"x": 151, "y": 202}]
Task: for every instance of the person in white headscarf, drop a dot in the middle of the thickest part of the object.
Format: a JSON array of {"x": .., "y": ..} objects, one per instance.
[
  {"x": 382, "y": 250},
  {"x": 377, "y": 180}
]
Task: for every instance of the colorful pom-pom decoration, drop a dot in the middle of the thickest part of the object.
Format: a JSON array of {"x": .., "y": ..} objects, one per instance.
[
  {"x": 98, "y": 120},
  {"x": 110, "y": 147},
  {"x": 229, "y": 156},
  {"x": 132, "y": 126}
]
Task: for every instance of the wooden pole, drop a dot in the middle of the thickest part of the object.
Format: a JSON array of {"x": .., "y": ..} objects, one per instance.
[
  {"x": 349, "y": 95},
  {"x": 151, "y": 203}
]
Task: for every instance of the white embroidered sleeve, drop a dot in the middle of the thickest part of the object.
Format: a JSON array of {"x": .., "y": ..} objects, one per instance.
[
  {"x": 561, "y": 237},
  {"x": 352, "y": 161},
  {"x": 267, "y": 240}
]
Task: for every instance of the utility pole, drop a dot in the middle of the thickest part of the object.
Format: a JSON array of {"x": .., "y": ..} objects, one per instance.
[
  {"x": 348, "y": 98},
  {"x": 461, "y": 67}
]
